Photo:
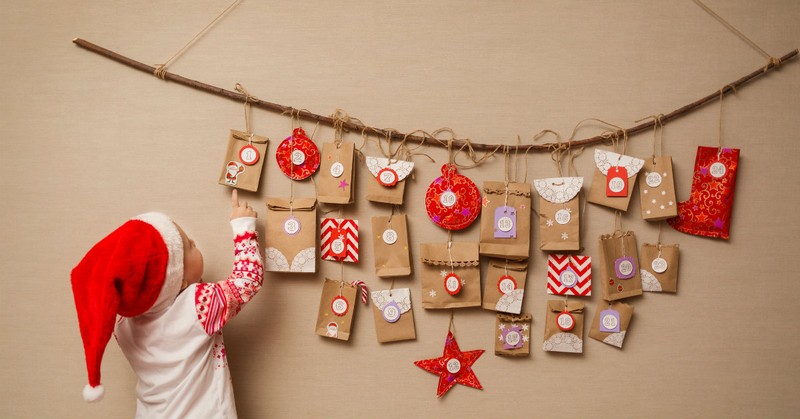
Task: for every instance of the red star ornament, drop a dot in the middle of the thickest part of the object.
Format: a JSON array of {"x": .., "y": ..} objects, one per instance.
[{"x": 453, "y": 366}]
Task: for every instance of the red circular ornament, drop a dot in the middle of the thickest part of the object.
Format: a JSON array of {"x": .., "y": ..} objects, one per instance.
[
  {"x": 452, "y": 283},
  {"x": 249, "y": 155},
  {"x": 339, "y": 306},
  {"x": 565, "y": 321},
  {"x": 387, "y": 177},
  {"x": 298, "y": 156},
  {"x": 453, "y": 201},
  {"x": 506, "y": 284}
]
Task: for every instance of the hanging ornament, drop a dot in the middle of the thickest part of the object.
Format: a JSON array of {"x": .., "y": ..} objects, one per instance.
[
  {"x": 453, "y": 366},
  {"x": 453, "y": 201},
  {"x": 298, "y": 156}
]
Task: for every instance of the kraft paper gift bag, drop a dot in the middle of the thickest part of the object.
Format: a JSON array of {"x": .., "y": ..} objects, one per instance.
[
  {"x": 559, "y": 213},
  {"x": 388, "y": 179},
  {"x": 450, "y": 279},
  {"x": 660, "y": 267},
  {"x": 513, "y": 335},
  {"x": 563, "y": 328},
  {"x": 614, "y": 179},
  {"x": 335, "y": 182},
  {"x": 504, "y": 287},
  {"x": 506, "y": 220},
  {"x": 291, "y": 239},
  {"x": 394, "y": 318},
  {"x": 657, "y": 191},
  {"x": 244, "y": 160},
  {"x": 390, "y": 246},
  {"x": 336, "y": 307},
  {"x": 611, "y": 323},
  {"x": 620, "y": 263}
]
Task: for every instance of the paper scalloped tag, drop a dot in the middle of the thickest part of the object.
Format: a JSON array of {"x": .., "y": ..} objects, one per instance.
[
  {"x": 387, "y": 172},
  {"x": 605, "y": 159},
  {"x": 452, "y": 201}
]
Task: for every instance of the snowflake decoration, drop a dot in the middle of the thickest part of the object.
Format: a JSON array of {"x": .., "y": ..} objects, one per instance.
[
  {"x": 432, "y": 293},
  {"x": 525, "y": 327},
  {"x": 502, "y": 326},
  {"x": 525, "y": 338},
  {"x": 564, "y": 236},
  {"x": 463, "y": 282},
  {"x": 549, "y": 222},
  {"x": 443, "y": 273},
  {"x": 500, "y": 338}
]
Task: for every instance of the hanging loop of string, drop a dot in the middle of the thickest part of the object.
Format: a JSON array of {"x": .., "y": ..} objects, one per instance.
[
  {"x": 658, "y": 133},
  {"x": 721, "y": 95},
  {"x": 247, "y": 99},
  {"x": 161, "y": 69}
]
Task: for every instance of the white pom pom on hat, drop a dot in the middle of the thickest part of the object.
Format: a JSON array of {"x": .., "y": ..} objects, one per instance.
[{"x": 93, "y": 394}]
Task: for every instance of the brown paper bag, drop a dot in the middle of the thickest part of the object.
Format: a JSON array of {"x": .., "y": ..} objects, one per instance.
[
  {"x": 559, "y": 213},
  {"x": 557, "y": 339},
  {"x": 512, "y": 335},
  {"x": 504, "y": 287},
  {"x": 620, "y": 264},
  {"x": 436, "y": 269},
  {"x": 335, "y": 180},
  {"x": 604, "y": 160},
  {"x": 516, "y": 205},
  {"x": 615, "y": 318},
  {"x": 336, "y": 307},
  {"x": 392, "y": 174},
  {"x": 291, "y": 247},
  {"x": 235, "y": 171},
  {"x": 667, "y": 279},
  {"x": 657, "y": 190},
  {"x": 390, "y": 246},
  {"x": 394, "y": 318}
]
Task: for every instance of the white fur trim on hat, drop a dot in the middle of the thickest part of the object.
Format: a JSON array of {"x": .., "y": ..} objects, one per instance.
[
  {"x": 93, "y": 394},
  {"x": 174, "y": 275}
]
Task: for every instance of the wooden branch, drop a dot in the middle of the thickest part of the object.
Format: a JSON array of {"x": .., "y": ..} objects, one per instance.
[{"x": 457, "y": 143}]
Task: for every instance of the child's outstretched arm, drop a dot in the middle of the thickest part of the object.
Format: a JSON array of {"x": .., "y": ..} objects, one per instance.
[{"x": 217, "y": 303}]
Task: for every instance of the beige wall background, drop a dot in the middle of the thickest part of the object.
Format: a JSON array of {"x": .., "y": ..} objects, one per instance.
[{"x": 87, "y": 143}]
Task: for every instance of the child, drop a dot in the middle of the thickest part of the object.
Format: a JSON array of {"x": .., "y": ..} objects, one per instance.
[{"x": 170, "y": 324}]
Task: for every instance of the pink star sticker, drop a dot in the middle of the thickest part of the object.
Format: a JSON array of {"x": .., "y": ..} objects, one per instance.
[
  {"x": 485, "y": 201},
  {"x": 343, "y": 184}
]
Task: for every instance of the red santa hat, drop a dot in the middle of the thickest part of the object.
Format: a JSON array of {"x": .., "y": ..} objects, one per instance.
[{"x": 136, "y": 269}]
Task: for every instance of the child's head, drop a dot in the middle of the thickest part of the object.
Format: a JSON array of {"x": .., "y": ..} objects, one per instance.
[{"x": 137, "y": 269}]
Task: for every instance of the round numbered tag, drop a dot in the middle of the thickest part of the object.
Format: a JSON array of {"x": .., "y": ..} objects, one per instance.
[
  {"x": 339, "y": 306},
  {"x": 505, "y": 224},
  {"x": 616, "y": 184},
  {"x": 298, "y": 157},
  {"x": 389, "y": 236},
  {"x": 610, "y": 321},
  {"x": 568, "y": 278},
  {"x": 624, "y": 267},
  {"x": 513, "y": 338},
  {"x": 653, "y": 179},
  {"x": 563, "y": 216},
  {"x": 249, "y": 155},
  {"x": 718, "y": 170},
  {"x": 337, "y": 247},
  {"x": 452, "y": 283},
  {"x": 506, "y": 284},
  {"x": 659, "y": 265},
  {"x": 388, "y": 177},
  {"x": 291, "y": 226},
  {"x": 337, "y": 169},
  {"x": 448, "y": 199},
  {"x": 453, "y": 366},
  {"x": 391, "y": 312},
  {"x": 565, "y": 321}
]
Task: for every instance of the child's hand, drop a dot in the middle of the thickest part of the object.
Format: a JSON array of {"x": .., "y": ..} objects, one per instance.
[{"x": 240, "y": 209}]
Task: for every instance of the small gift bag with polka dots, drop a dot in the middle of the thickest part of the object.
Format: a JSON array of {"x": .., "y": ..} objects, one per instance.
[
  {"x": 657, "y": 191},
  {"x": 620, "y": 263},
  {"x": 451, "y": 275}
]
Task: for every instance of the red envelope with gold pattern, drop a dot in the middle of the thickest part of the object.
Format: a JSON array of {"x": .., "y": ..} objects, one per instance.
[
  {"x": 453, "y": 201},
  {"x": 298, "y": 156}
]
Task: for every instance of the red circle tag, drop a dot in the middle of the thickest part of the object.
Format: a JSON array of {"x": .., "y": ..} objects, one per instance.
[
  {"x": 506, "y": 284},
  {"x": 387, "y": 177},
  {"x": 565, "y": 321},
  {"x": 298, "y": 148},
  {"x": 452, "y": 283},
  {"x": 339, "y": 306},
  {"x": 249, "y": 155}
]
